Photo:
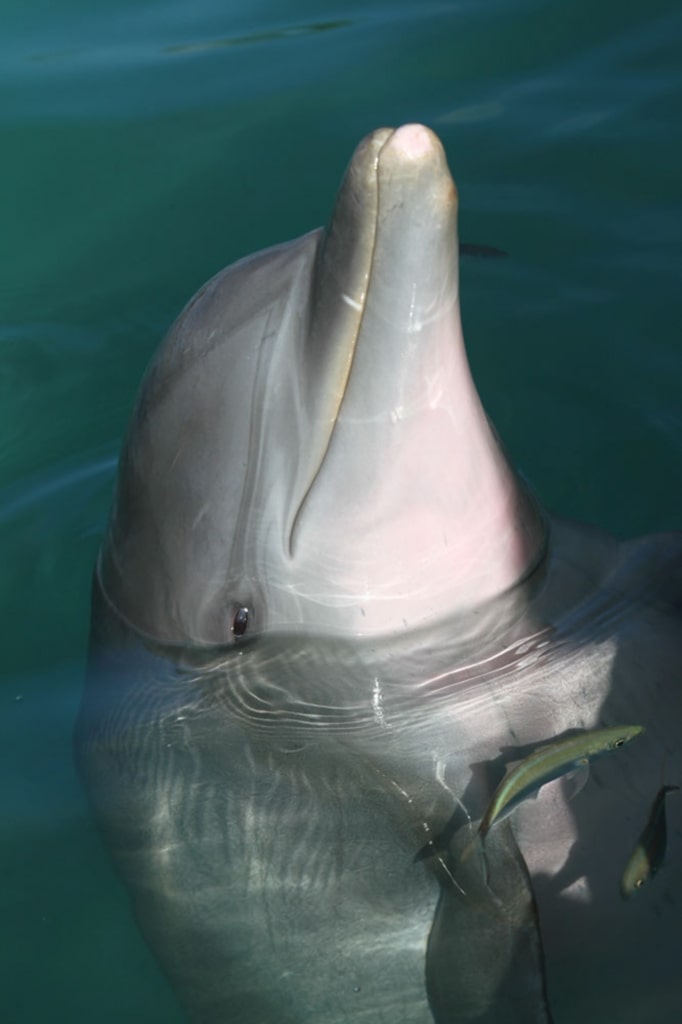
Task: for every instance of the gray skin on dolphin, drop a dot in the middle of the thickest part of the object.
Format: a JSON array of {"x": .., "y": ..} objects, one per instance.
[{"x": 326, "y": 615}]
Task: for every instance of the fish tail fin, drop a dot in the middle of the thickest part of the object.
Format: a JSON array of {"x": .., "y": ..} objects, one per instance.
[{"x": 577, "y": 778}]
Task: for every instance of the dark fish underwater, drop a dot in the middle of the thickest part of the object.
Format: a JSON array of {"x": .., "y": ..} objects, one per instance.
[
  {"x": 647, "y": 857},
  {"x": 326, "y": 614}
]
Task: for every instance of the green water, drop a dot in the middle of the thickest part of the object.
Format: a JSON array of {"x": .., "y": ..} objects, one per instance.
[{"x": 144, "y": 146}]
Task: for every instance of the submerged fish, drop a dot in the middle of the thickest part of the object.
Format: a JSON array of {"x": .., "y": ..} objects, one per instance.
[
  {"x": 648, "y": 854},
  {"x": 486, "y": 252},
  {"x": 549, "y": 762}
]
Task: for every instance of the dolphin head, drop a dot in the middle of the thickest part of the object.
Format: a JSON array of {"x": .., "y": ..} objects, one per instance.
[{"x": 308, "y": 451}]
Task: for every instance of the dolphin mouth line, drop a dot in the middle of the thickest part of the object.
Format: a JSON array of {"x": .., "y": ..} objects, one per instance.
[{"x": 360, "y": 308}]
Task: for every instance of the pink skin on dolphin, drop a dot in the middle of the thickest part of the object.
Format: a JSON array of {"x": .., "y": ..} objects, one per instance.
[
  {"x": 327, "y": 614},
  {"x": 295, "y": 383}
]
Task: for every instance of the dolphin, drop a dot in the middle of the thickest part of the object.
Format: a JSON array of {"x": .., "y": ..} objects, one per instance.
[{"x": 328, "y": 615}]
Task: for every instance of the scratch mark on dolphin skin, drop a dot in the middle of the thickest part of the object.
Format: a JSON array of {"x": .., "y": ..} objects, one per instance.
[
  {"x": 201, "y": 514},
  {"x": 413, "y": 323},
  {"x": 177, "y": 455},
  {"x": 352, "y": 302}
]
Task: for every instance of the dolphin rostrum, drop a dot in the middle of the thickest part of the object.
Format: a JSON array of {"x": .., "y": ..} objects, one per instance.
[{"x": 326, "y": 614}]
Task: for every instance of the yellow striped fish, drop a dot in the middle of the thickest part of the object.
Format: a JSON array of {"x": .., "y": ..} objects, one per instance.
[{"x": 549, "y": 762}]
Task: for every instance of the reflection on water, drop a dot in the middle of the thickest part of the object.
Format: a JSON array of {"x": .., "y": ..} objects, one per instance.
[
  {"x": 252, "y": 38},
  {"x": 37, "y": 491}
]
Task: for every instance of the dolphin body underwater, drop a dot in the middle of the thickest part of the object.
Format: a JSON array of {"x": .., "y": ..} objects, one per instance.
[{"x": 327, "y": 615}]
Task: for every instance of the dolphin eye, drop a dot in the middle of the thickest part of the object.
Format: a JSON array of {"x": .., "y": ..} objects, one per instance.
[{"x": 240, "y": 621}]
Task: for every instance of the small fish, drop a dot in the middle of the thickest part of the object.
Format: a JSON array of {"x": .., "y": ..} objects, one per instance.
[
  {"x": 485, "y": 252},
  {"x": 648, "y": 854},
  {"x": 551, "y": 761}
]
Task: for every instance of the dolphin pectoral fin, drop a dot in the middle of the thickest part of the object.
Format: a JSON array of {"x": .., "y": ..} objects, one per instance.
[{"x": 485, "y": 961}]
